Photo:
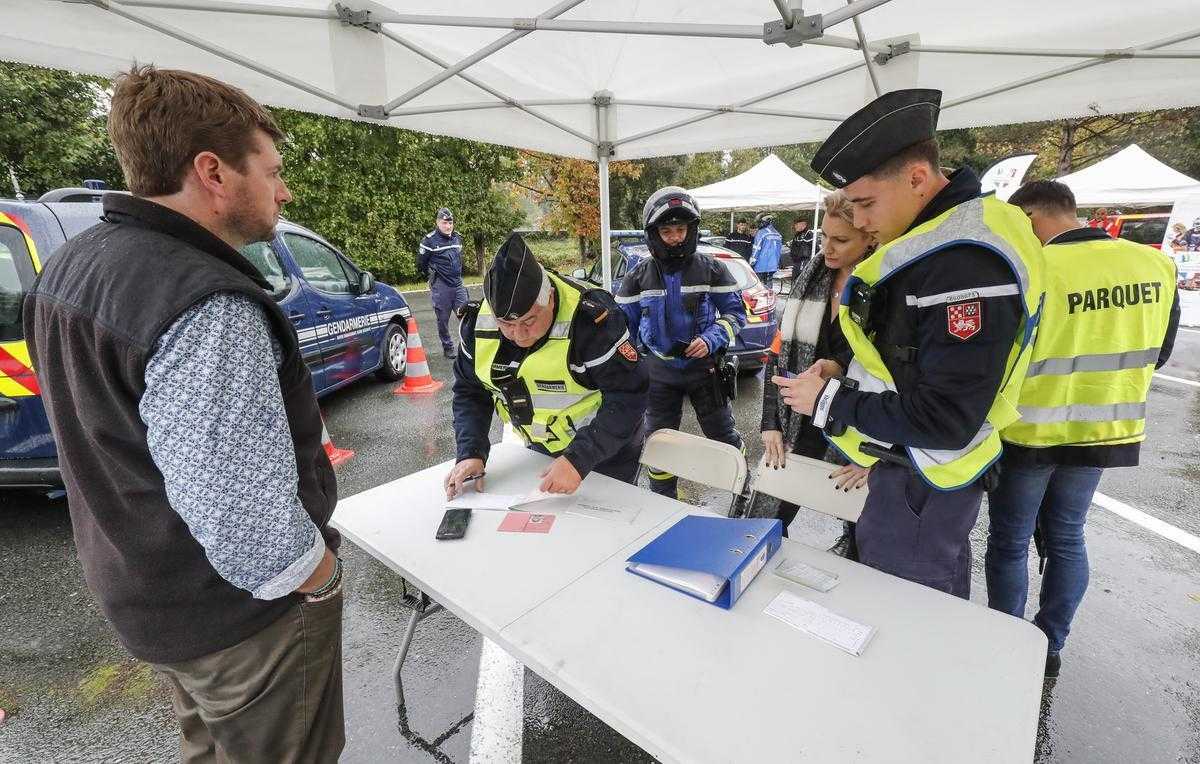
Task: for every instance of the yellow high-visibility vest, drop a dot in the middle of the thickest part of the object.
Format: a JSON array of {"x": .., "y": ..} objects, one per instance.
[
  {"x": 986, "y": 222},
  {"x": 1108, "y": 303},
  {"x": 561, "y": 406}
]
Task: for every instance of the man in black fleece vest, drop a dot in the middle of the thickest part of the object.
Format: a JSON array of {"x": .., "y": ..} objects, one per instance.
[{"x": 188, "y": 432}]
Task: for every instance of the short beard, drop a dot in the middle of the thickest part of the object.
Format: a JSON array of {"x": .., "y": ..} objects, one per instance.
[{"x": 243, "y": 225}]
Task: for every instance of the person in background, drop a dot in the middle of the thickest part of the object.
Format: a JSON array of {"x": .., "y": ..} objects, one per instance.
[
  {"x": 685, "y": 308},
  {"x": 1109, "y": 320},
  {"x": 768, "y": 246},
  {"x": 808, "y": 332},
  {"x": 802, "y": 245},
  {"x": 440, "y": 261},
  {"x": 188, "y": 432},
  {"x": 555, "y": 359},
  {"x": 740, "y": 240}
]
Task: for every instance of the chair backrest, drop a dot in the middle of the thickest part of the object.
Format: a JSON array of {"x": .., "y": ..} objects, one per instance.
[
  {"x": 805, "y": 482},
  {"x": 692, "y": 457}
]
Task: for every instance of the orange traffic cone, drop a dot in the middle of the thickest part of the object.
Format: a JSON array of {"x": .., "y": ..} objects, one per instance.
[
  {"x": 337, "y": 456},
  {"x": 417, "y": 379}
]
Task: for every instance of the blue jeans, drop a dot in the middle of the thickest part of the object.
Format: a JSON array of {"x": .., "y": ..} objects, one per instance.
[{"x": 1061, "y": 495}]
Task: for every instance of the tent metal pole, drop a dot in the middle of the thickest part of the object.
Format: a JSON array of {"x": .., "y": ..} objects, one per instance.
[
  {"x": 1103, "y": 53},
  {"x": 605, "y": 223},
  {"x": 229, "y": 55},
  {"x": 816, "y": 229},
  {"x": 852, "y": 10},
  {"x": 748, "y": 102},
  {"x": 474, "y": 58},
  {"x": 862, "y": 41},
  {"x": 522, "y": 105},
  {"x": 524, "y": 25},
  {"x": 733, "y": 109},
  {"x": 501, "y": 103},
  {"x": 602, "y": 99},
  {"x": 1172, "y": 40}
]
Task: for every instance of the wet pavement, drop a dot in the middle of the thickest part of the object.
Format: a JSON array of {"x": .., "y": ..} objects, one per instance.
[{"x": 1130, "y": 688}]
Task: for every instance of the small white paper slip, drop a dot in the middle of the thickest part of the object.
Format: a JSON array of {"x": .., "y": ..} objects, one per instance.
[
  {"x": 472, "y": 499},
  {"x": 820, "y": 622},
  {"x": 596, "y": 511}
]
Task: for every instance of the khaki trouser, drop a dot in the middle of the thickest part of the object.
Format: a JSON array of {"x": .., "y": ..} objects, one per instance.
[{"x": 274, "y": 697}]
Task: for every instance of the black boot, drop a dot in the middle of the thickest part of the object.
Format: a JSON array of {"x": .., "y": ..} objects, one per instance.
[
  {"x": 1053, "y": 664},
  {"x": 845, "y": 545}
]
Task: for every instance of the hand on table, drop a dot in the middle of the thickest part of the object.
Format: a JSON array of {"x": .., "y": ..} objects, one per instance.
[
  {"x": 773, "y": 449},
  {"x": 560, "y": 477},
  {"x": 698, "y": 348},
  {"x": 850, "y": 476},
  {"x": 456, "y": 481}
]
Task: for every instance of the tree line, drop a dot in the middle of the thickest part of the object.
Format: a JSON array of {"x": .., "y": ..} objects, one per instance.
[{"x": 372, "y": 190}]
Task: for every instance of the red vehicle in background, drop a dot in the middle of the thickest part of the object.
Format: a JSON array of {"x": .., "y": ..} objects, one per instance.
[{"x": 1148, "y": 228}]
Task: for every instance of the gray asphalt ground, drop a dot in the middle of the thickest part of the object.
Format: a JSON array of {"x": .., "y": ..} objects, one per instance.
[{"x": 1130, "y": 689}]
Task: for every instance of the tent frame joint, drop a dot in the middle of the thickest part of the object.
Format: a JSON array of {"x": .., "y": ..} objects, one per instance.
[
  {"x": 893, "y": 50},
  {"x": 801, "y": 30},
  {"x": 357, "y": 18},
  {"x": 372, "y": 111},
  {"x": 606, "y": 149}
]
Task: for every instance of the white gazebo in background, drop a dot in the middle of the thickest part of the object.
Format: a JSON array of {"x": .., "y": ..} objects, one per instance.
[
  {"x": 627, "y": 79},
  {"x": 769, "y": 186},
  {"x": 1130, "y": 177}
]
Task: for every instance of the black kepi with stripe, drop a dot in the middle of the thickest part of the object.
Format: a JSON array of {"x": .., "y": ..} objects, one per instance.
[
  {"x": 877, "y": 132},
  {"x": 513, "y": 282}
]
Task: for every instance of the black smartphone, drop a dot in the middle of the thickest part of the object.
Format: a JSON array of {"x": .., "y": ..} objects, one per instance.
[{"x": 454, "y": 524}]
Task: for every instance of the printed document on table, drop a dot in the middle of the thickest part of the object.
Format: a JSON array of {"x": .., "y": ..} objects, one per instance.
[
  {"x": 472, "y": 499},
  {"x": 820, "y": 622}
]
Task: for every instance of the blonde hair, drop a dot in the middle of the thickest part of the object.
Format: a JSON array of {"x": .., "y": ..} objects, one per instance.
[{"x": 838, "y": 205}]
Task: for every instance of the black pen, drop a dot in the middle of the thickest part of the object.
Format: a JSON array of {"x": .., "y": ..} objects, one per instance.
[{"x": 473, "y": 477}]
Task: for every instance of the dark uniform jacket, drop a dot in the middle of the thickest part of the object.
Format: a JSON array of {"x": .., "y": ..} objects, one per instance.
[
  {"x": 598, "y": 333},
  {"x": 946, "y": 385},
  {"x": 439, "y": 258},
  {"x": 741, "y": 243}
]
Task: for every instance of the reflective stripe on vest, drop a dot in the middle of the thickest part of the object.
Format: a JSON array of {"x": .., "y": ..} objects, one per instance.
[
  {"x": 1108, "y": 303},
  {"x": 985, "y": 222},
  {"x": 558, "y": 412}
]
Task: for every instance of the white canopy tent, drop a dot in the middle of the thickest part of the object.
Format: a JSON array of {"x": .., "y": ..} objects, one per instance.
[
  {"x": 1130, "y": 177},
  {"x": 769, "y": 185},
  {"x": 629, "y": 79}
]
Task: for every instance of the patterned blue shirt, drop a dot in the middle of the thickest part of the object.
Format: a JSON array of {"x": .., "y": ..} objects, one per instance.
[{"x": 218, "y": 431}]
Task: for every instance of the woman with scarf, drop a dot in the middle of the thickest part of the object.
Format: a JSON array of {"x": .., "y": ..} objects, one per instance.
[{"x": 809, "y": 331}]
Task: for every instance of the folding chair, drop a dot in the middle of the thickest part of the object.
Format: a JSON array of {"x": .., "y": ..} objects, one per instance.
[
  {"x": 805, "y": 482},
  {"x": 710, "y": 462}
]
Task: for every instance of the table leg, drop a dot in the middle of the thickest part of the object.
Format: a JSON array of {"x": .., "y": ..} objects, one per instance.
[{"x": 422, "y": 606}]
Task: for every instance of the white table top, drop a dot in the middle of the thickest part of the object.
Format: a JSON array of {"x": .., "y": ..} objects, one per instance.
[
  {"x": 942, "y": 679},
  {"x": 489, "y": 579}
]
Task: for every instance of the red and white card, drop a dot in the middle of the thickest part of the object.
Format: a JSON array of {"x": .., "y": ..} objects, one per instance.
[{"x": 526, "y": 522}]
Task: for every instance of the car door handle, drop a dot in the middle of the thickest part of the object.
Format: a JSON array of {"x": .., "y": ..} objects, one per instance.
[{"x": 297, "y": 317}]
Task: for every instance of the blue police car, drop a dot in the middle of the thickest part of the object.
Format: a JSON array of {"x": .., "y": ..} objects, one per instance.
[
  {"x": 349, "y": 325},
  {"x": 754, "y": 341}
]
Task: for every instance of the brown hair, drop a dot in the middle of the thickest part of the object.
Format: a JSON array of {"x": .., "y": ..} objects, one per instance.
[
  {"x": 1045, "y": 195},
  {"x": 162, "y": 118},
  {"x": 922, "y": 151}
]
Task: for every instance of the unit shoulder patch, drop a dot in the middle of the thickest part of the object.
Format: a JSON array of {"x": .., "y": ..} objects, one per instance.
[
  {"x": 964, "y": 320},
  {"x": 627, "y": 350}
]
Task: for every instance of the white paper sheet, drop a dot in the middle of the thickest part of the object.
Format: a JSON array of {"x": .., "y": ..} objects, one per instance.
[
  {"x": 472, "y": 499},
  {"x": 585, "y": 507},
  {"x": 820, "y": 622}
]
